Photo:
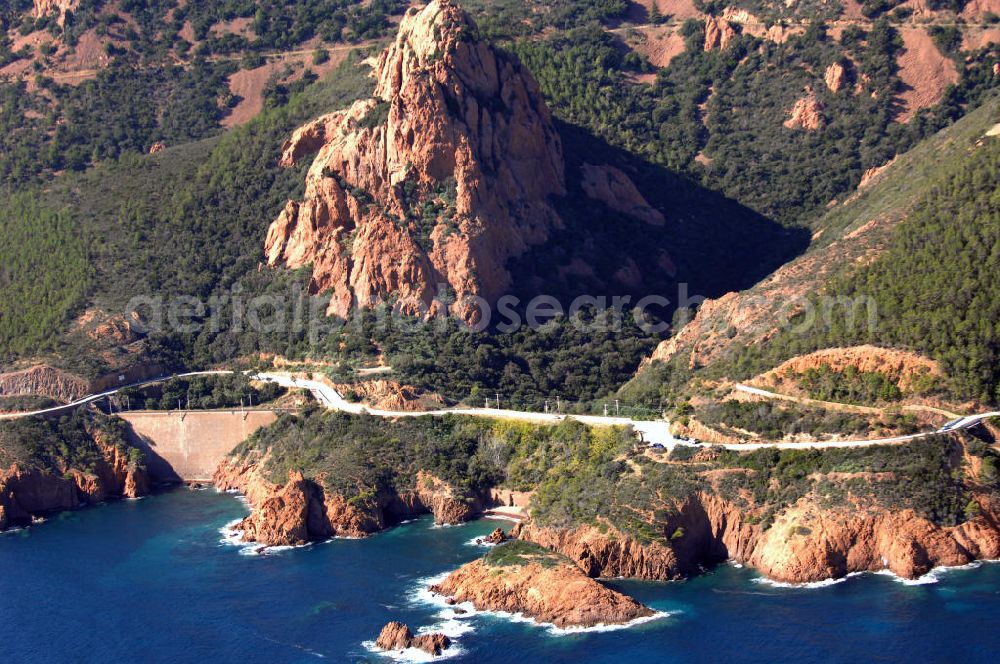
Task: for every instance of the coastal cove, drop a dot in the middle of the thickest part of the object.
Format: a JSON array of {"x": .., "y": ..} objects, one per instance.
[{"x": 158, "y": 570}]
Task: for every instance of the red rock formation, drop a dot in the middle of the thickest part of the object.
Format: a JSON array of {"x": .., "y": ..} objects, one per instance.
[
  {"x": 496, "y": 537},
  {"x": 45, "y": 381},
  {"x": 834, "y": 77},
  {"x": 29, "y": 492},
  {"x": 610, "y": 186},
  {"x": 807, "y": 113},
  {"x": 389, "y": 395},
  {"x": 805, "y": 543},
  {"x": 718, "y": 33},
  {"x": 455, "y": 129},
  {"x": 302, "y": 511},
  {"x": 46, "y": 7},
  {"x": 545, "y": 587},
  {"x": 447, "y": 505},
  {"x": 397, "y": 636}
]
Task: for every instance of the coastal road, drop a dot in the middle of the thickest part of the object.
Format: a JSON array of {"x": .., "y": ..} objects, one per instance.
[
  {"x": 91, "y": 398},
  {"x": 652, "y": 431}
]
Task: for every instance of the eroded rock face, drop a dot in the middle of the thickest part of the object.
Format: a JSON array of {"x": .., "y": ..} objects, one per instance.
[
  {"x": 46, "y": 7},
  {"x": 612, "y": 187},
  {"x": 447, "y": 505},
  {"x": 807, "y": 113},
  {"x": 440, "y": 178},
  {"x": 29, "y": 492},
  {"x": 397, "y": 636},
  {"x": 496, "y": 537},
  {"x": 43, "y": 380},
  {"x": 834, "y": 77},
  {"x": 546, "y": 587},
  {"x": 302, "y": 511},
  {"x": 718, "y": 33},
  {"x": 806, "y": 543}
]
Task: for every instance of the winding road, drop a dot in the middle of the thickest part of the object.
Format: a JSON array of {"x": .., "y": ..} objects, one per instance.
[{"x": 652, "y": 431}]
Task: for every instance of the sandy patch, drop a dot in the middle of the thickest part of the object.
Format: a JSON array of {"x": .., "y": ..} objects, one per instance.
[
  {"x": 679, "y": 10},
  {"x": 975, "y": 9},
  {"x": 975, "y": 37},
  {"x": 249, "y": 83},
  {"x": 659, "y": 45},
  {"x": 89, "y": 53},
  {"x": 924, "y": 71},
  {"x": 852, "y": 9},
  {"x": 237, "y": 26}
]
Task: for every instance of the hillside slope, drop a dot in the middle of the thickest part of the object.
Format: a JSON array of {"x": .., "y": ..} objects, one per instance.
[{"x": 913, "y": 249}]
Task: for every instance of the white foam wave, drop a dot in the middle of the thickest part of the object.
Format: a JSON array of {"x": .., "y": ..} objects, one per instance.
[
  {"x": 480, "y": 542},
  {"x": 413, "y": 654},
  {"x": 930, "y": 577},
  {"x": 233, "y": 537},
  {"x": 934, "y": 575},
  {"x": 764, "y": 581}
]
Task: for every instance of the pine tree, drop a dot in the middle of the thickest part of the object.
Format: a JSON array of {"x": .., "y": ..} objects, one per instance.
[{"x": 655, "y": 17}]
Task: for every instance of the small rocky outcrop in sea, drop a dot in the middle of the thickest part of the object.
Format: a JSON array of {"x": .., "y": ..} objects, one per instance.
[
  {"x": 520, "y": 577},
  {"x": 496, "y": 537},
  {"x": 397, "y": 636}
]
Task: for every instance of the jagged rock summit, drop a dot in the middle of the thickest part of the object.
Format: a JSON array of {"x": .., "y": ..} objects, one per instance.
[{"x": 429, "y": 187}]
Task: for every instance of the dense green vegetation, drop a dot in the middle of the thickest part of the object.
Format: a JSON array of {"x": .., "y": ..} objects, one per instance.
[
  {"x": 919, "y": 199},
  {"x": 584, "y": 76},
  {"x": 587, "y": 475},
  {"x": 774, "y": 421},
  {"x": 934, "y": 288},
  {"x": 59, "y": 444},
  {"x": 923, "y": 477},
  {"x": 124, "y": 109},
  {"x": 188, "y": 221},
  {"x": 358, "y": 456},
  {"x": 577, "y": 360},
  {"x": 519, "y": 552},
  {"x": 848, "y": 386},
  {"x": 201, "y": 392},
  {"x": 44, "y": 274}
]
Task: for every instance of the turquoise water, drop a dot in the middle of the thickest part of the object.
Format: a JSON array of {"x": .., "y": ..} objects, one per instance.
[{"x": 151, "y": 581}]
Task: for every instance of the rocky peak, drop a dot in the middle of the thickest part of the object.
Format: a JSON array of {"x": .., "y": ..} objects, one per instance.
[
  {"x": 807, "y": 113},
  {"x": 46, "y": 7},
  {"x": 718, "y": 33},
  {"x": 430, "y": 186},
  {"x": 834, "y": 77}
]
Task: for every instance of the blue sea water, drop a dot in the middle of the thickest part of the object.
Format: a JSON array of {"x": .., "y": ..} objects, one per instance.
[{"x": 151, "y": 581}]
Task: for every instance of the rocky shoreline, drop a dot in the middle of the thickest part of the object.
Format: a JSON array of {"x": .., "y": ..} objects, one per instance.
[
  {"x": 806, "y": 544},
  {"x": 28, "y": 493},
  {"x": 302, "y": 511}
]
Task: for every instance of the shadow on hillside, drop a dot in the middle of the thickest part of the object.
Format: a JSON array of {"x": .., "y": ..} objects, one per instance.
[{"x": 710, "y": 242}]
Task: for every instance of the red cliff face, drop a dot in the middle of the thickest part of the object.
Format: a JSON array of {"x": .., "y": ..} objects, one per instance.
[
  {"x": 439, "y": 179},
  {"x": 805, "y": 543},
  {"x": 29, "y": 492},
  {"x": 302, "y": 511}
]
